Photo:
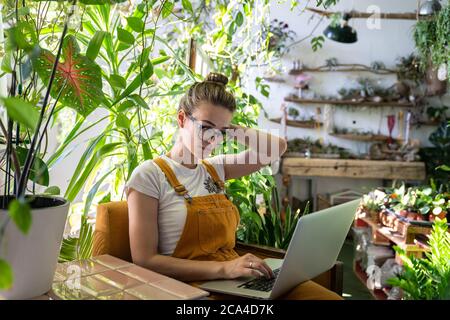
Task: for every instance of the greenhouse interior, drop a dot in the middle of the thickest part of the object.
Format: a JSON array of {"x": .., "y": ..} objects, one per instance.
[{"x": 246, "y": 150}]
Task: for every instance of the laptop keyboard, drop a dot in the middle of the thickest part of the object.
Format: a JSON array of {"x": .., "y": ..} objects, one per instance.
[{"x": 261, "y": 284}]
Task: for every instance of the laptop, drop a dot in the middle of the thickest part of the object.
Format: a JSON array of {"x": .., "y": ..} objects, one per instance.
[{"x": 314, "y": 248}]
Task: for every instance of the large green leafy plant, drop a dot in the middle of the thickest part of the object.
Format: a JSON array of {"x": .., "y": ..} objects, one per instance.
[
  {"x": 45, "y": 70},
  {"x": 427, "y": 278}
]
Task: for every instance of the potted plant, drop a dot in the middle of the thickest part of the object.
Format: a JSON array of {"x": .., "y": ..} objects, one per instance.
[
  {"x": 278, "y": 34},
  {"x": 431, "y": 38},
  {"x": 293, "y": 113},
  {"x": 40, "y": 81},
  {"x": 437, "y": 114},
  {"x": 372, "y": 203}
]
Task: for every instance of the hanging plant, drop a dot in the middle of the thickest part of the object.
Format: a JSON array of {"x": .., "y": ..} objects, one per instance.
[
  {"x": 277, "y": 35},
  {"x": 432, "y": 38}
]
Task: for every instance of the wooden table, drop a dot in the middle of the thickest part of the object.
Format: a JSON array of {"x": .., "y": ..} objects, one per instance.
[
  {"x": 342, "y": 168},
  {"x": 109, "y": 278}
]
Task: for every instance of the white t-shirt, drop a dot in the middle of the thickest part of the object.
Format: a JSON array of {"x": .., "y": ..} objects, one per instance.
[{"x": 149, "y": 179}]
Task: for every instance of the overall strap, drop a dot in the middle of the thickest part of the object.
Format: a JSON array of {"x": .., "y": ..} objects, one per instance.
[
  {"x": 213, "y": 173},
  {"x": 171, "y": 177}
]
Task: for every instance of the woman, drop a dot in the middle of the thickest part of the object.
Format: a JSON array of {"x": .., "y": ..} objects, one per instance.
[{"x": 181, "y": 223}]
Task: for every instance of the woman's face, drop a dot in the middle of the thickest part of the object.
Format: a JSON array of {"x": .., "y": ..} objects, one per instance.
[{"x": 202, "y": 131}]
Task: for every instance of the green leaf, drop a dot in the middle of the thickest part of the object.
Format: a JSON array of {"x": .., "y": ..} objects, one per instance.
[
  {"x": 101, "y": 154},
  {"x": 6, "y": 275},
  {"x": 124, "y": 106},
  {"x": 78, "y": 78},
  {"x": 232, "y": 28},
  {"x": 95, "y": 45},
  {"x": 317, "y": 42},
  {"x": 101, "y": 2},
  {"x": 239, "y": 19},
  {"x": 135, "y": 24},
  {"x": 122, "y": 121},
  {"x": 167, "y": 8},
  {"x": 6, "y": 61},
  {"x": 22, "y": 111},
  {"x": 20, "y": 212},
  {"x": 444, "y": 167},
  {"x": 160, "y": 60},
  {"x": 146, "y": 150},
  {"x": 39, "y": 171},
  {"x": 125, "y": 36},
  {"x": 21, "y": 36},
  {"x": 187, "y": 6},
  {"x": 143, "y": 76},
  {"x": 53, "y": 190},
  {"x": 93, "y": 192},
  {"x": 140, "y": 101},
  {"x": 117, "y": 82},
  {"x": 106, "y": 198}
]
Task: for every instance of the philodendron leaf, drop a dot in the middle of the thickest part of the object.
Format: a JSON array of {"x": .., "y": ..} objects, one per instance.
[
  {"x": 77, "y": 76},
  {"x": 20, "y": 212},
  {"x": 6, "y": 275},
  {"x": 53, "y": 190},
  {"x": 22, "y": 111},
  {"x": 39, "y": 171}
]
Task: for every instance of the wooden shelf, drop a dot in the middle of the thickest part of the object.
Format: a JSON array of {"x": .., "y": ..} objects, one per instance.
[
  {"x": 269, "y": 79},
  {"x": 363, "y": 137},
  {"x": 365, "y": 15},
  {"x": 426, "y": 123},
  {"x": 349, "y": 102},
  {"x": 350, "y": 168},
  {"x": 360, "y": 137},
  {"x": 342, "y": 68},
  {"x": 299, "y": 124}
]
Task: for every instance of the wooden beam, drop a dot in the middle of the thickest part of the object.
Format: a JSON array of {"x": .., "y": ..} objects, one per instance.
[
  {"x": 192, "y": 54},
  {"x": 364, "y": 15},
  {"x": 359, "y": 169}
]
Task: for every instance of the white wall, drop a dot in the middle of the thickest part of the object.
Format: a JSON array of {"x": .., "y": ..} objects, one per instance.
[{"x": 387, "y": 44}]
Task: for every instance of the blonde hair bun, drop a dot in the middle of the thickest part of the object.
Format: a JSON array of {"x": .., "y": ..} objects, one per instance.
[{"x": 217, "y": 78}]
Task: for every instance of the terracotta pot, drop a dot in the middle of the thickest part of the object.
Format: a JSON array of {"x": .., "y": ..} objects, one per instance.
[
  {"x": 421, "y": 217},
  {"x": 411, "y": 215},
  {"x": 403, "y": 213}
]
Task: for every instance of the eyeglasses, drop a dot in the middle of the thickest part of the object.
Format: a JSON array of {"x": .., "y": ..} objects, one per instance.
[{"x": 207, "y": 133}]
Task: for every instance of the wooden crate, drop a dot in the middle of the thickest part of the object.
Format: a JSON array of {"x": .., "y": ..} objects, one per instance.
[{"x": 323, "y": 202}]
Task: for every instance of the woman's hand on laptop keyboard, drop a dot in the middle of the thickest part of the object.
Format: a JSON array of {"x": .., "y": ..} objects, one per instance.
[{"x": 248, "y": 265}]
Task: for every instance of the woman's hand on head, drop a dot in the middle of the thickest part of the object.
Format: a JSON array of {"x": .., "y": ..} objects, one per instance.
[{"x": 246, "y": 266}]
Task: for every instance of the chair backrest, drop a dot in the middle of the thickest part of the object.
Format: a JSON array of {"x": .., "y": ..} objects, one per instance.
[{"x": 111, "y": 230}]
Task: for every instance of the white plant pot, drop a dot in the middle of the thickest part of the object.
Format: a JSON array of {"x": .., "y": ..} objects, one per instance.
[{"x": 33, "y": 257}]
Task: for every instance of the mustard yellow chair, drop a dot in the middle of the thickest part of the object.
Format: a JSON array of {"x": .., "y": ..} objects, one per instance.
[{"x": 111, "y": 237}]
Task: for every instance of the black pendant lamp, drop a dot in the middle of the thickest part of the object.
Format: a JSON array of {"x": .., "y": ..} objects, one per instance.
[{"x": 341, "y": 32}]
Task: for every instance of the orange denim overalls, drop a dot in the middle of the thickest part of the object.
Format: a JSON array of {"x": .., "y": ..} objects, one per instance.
[{"x": 210, "y": 232}]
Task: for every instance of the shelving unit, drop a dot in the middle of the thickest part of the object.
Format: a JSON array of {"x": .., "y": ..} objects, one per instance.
[
  {"x": 349, "y": 102},
  {"x": 357, "y": 169},
  {"x": 382, "y": 235}
]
